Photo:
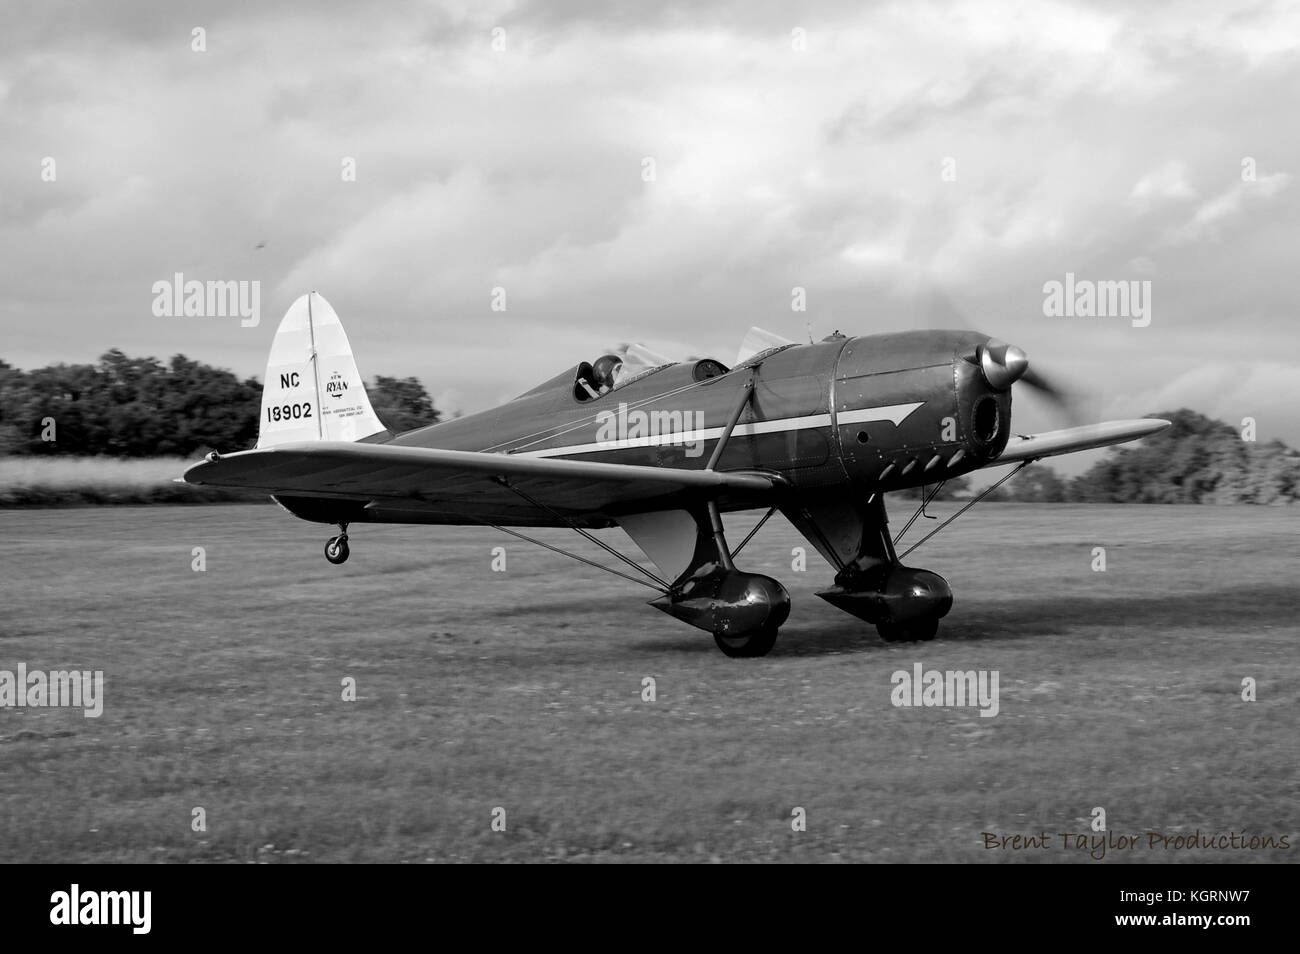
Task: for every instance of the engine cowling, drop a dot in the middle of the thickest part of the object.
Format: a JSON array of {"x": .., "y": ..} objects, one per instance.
[{"x": 916, "y": 408}]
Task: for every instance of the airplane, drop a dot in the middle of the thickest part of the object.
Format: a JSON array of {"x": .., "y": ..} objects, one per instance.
[{"x": 820, "y": 432}]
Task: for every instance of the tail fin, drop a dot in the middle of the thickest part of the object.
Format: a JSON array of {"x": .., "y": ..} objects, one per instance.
[{"x": 313, "y": 391}]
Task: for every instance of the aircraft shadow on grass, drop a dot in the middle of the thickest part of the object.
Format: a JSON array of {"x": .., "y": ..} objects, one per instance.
[{"x": 1225, "y": 610}]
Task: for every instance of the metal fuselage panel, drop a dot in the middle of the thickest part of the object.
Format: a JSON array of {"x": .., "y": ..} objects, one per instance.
[
  {"x": 959, "y": 425},
  {"x": 878, "y": 412},
  {"x": 791, "y": 390}
]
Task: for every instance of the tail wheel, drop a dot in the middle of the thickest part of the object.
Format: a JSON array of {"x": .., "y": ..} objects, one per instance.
[
  {"x": 914, "y": 631},
  {"x": 755, "y": 644},
  {"x": 336, "y": 550}
]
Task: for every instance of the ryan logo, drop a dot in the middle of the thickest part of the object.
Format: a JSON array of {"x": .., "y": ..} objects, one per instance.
[{"x": 335, "y": 386}]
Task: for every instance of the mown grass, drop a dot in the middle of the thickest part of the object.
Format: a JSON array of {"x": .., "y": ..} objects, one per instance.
[
  {"x": 70, "y": 481},
  {"x": 523, "y": 690}
]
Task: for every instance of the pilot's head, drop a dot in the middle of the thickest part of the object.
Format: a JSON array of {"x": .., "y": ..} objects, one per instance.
[{"x": 604, "y": 371}]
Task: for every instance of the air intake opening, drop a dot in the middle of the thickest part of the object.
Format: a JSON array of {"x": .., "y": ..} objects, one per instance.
[{"x": 986, "y": 419}]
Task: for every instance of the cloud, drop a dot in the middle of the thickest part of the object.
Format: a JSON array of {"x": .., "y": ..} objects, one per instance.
[
  {"x": 1213, "y": 214},
  {"x": 1085, "y": 137},
  {"x": 1167, "y": 183}
]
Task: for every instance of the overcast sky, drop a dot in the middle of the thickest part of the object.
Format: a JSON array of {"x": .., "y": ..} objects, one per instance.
[{"x": 794, "y": 145}]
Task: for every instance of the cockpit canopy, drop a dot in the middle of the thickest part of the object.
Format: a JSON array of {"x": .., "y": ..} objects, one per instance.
[{"x": 617, "y": 369}]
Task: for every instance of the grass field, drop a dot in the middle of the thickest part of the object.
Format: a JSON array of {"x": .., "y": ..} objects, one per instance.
[{"x": 522, "y": 690}]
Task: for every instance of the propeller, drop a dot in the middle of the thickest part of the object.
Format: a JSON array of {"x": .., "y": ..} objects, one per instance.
[
  {"x": 1002, "y": 364},
  {"x": 1067, "y": 402}
]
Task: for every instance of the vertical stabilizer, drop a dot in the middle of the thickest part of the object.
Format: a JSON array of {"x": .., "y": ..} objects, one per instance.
[{"x": 313, "y": 391}]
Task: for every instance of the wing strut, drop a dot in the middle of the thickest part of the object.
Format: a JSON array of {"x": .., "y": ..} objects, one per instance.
[
  {"x": 984, "y": 493},
  {"x": 715, "y": 516},
  {"x": 757, "y": 527},
  {"x": 731, "y": 423},
  {"x": 920, "y": 511},
  {"x": 657, "y": 583},
  {"x": 573, "y": 556}
]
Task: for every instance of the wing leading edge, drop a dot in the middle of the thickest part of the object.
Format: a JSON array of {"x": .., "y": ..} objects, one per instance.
[
  {"x": 1072, "y": 439},
  {"x": 436, "y": 476}
]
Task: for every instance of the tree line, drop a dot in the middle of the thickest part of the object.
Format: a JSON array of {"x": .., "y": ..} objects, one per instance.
[
  {"x": 1197, "y": 460},
  {"x": 140, "y": 407}
]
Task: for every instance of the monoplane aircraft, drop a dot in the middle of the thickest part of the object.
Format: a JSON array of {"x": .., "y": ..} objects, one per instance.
[{"x": 820, "y": 432}]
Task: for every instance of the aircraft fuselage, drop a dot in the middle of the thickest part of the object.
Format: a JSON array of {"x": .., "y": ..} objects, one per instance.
[{"x": 879, "y": 412}]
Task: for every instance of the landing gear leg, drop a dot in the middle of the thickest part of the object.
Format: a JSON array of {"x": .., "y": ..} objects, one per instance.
[
  {"x": 904, "y": 603},
  {"x": 336, "y": 548},
  {"x": 743, "y": 611}
]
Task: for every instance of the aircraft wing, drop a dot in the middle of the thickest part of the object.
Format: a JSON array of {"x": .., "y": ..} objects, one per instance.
[
  {"x": 456, "y": 483},
  {"x": 1071, "y": 439}
]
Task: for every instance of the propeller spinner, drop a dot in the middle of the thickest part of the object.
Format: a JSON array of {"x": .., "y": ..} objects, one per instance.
[{"x": 1002, "y": 364}]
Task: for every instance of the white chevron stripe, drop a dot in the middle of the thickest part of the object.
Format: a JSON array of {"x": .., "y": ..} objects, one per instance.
[{"x": 895, "y": 413}]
